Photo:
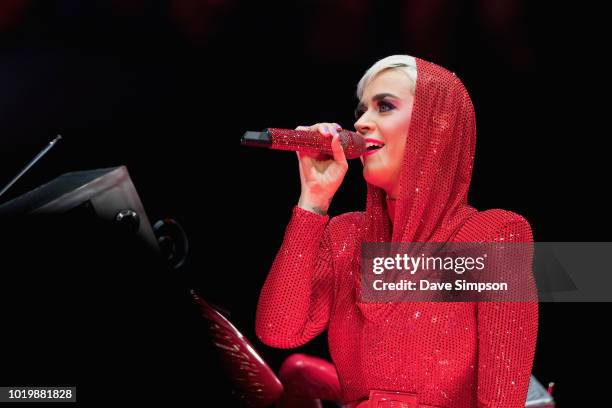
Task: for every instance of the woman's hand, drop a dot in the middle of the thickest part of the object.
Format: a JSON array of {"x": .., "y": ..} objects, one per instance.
[{"x": 321, "y": 178}]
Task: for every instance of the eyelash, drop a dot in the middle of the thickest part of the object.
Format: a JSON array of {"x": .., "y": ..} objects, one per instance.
[{"x": 360, "y": 112}]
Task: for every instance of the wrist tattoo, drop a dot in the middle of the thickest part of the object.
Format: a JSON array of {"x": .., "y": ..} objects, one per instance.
[{"x": 319, "y": 210}]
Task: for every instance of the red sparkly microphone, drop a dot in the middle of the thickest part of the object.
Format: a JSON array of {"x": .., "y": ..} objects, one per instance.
[{"x": 307, "y": 141}]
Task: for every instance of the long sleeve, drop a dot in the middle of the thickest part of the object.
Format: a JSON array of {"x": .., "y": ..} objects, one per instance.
[
  {"x": 296, "y": 298},
  {"x": 507, "y": 333}
]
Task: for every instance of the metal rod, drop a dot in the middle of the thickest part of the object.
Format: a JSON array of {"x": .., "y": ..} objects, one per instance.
[{"x": 31, "y": 163}]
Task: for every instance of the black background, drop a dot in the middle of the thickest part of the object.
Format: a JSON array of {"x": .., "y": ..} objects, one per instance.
[{"x": 168, "y": 87}]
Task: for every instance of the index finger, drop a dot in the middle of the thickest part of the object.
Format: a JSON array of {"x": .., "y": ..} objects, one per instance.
[{"x": 337, "y": 150}]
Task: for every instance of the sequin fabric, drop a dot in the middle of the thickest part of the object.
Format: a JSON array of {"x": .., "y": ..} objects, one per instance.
[
  {"x": 461, "y": 354},
  {"x": 314, "y": 142}
]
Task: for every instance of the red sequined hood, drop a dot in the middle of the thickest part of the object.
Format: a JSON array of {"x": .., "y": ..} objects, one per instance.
[{"x": 437, "y": 166}]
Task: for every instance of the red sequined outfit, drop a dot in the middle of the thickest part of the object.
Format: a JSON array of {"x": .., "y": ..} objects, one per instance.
[{"x": 461, "y": 354}]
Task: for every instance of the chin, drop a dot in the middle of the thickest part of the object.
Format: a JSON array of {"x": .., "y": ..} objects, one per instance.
[
  {"x": 381, "y": 176},
  {"x": 374, "y": 177}
]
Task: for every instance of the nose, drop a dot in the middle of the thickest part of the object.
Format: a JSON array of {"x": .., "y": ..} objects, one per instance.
[{"x": 364, "y": 125}]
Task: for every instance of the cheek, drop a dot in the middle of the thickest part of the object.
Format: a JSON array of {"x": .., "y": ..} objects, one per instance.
[
  {"x": 396, "y": 148},
  {"x": 397, "y": 133}
]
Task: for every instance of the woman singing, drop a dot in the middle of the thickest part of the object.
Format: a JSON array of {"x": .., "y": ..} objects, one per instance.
[{"x": 426, "y": 354}]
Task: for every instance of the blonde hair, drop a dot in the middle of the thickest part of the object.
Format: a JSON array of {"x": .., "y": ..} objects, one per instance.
[{"x": 403, "y": 63}]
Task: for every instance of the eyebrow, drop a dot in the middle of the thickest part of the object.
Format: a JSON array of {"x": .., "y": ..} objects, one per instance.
[{"x": 377, "y": 98}]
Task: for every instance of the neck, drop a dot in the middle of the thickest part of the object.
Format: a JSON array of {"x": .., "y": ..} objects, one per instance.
[
  {"x": 391, "y": 197},
  {"x": 391, "y": 207}
]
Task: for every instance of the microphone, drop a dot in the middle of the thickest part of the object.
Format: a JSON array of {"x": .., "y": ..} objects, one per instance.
[{"x": 305, "y": 141}]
